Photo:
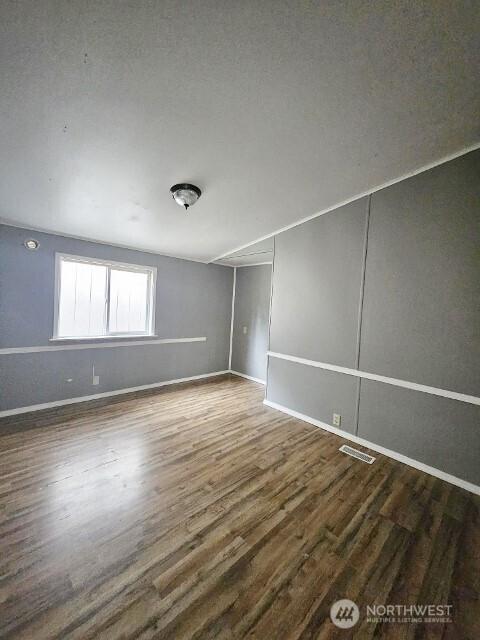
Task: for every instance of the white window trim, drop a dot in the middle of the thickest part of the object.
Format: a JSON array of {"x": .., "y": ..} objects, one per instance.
[{"x": 152, "y": 273}]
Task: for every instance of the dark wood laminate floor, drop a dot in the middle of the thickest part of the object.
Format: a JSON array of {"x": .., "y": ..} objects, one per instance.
[{"x": 200, "y": 513}]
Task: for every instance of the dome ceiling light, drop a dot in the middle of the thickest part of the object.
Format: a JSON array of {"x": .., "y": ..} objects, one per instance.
[{"x": 185, "y": 194}]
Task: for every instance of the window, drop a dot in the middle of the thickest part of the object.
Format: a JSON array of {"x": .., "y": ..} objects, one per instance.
[{"x": 96, "y": 298}]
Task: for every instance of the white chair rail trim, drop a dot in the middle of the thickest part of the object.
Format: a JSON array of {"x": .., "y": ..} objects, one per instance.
[
  {"x": 119, "y": 342},
  {"x": 445, "y": 393}
]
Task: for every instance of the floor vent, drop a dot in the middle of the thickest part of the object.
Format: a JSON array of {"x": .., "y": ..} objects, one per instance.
[{"x": 355, "y": 453}]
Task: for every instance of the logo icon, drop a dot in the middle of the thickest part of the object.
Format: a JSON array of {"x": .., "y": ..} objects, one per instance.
[{"x": 344, "y": 614}]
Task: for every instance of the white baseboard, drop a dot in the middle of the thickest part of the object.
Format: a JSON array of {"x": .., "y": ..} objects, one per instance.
[
  {"x": 244, "y": 375},
  {"x": 370, "y": 445},
  {"x": 106, "y": 394}
]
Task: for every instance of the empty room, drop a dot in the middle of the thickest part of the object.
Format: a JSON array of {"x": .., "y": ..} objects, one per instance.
[{"x": 239, "y": 320}]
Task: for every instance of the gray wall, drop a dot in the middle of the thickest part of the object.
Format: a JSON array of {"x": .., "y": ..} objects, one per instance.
[
  {"x": 252, "y": 308},
  {"x": 419, "y": 321},
  {"x": 421, "y": 312},
  {"x": 314, "y": 392},
  {"x": 192, "y": 300}
]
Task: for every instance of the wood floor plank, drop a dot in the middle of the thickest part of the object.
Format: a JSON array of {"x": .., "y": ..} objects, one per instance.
[{"x": 196, "y": 512}]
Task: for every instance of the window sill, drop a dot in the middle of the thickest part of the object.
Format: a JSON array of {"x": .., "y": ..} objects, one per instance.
[{"x": 99, "y": 338}]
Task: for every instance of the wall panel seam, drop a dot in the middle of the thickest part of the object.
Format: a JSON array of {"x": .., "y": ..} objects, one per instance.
[
  {"x": 362, "y": 282},
  {"x": 360, "y": 305}
]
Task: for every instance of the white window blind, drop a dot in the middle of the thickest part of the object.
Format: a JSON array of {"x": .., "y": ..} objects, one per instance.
[{"x": 95, "y": 298}]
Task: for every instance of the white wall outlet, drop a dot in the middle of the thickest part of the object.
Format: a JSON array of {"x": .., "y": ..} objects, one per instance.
[
  {"x": 337, "y": 419},
  {"x": 95, "y": 380},
  {"x": 245, "y": 330}
]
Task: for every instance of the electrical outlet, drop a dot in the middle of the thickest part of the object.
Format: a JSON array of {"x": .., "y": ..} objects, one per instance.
[
  {"x": 95, "y": 380},
  {"x": 245, "y": 330},
  {"x": 337, "y": 419}
]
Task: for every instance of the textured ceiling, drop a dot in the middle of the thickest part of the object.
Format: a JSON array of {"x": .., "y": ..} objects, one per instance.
[{"x": 276, "y": 109}]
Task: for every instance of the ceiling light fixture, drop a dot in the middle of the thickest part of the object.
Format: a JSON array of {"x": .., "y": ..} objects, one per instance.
[{"x": 185, "y": 194}]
